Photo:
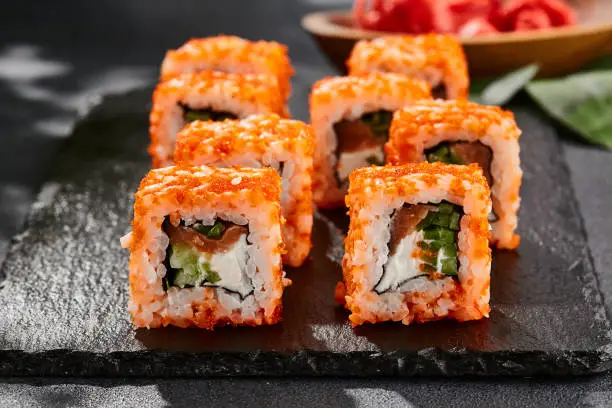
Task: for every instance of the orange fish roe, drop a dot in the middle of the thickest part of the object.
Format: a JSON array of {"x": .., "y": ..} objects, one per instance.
[
  {"x": 328, "y": 89},
  {"x": 231, "y": 54},
  {"x": 239, "y": 94},
  {"x": 184, "y": 193},
  {"x": 347, "y": 98},
  {"x": 264, "y": 140},
  {"x": 426, "y": 124},
  {"x": 437, "y": 58},
  {"x": 374, "y": 193}
]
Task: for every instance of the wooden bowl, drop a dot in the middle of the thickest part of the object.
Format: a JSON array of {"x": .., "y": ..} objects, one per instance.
[{"x": 558, "y": 51}]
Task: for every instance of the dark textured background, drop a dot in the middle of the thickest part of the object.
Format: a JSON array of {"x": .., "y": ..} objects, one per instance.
[{"x": 54, "y": 54}]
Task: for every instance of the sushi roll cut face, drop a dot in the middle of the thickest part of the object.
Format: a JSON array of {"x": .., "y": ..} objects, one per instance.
[
  {"x": 460, "y": 132},
  {"x": 231, "y": 54},
  {"x": 439, "y": 59},
  {"x": 417, "y": 246},
  {"x": 285, "y": 145},
  {"x": 351, "y": 118},
  {"x": 210, "y": 96},
  {"x": 205, "y": 248}
]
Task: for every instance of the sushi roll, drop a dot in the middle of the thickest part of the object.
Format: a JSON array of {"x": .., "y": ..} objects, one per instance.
[
  {"x": 460, "y": 132},
  {"x": 439, "y": 59},
  {"x": 206, "y": 95},
  {"x": 205, "y": 248},
  {"x": 351, "y": 117},
  {"x": 231, "y": 54},
  {"x": 417, "y": 248},
  {"x": 262, "y": 141}
]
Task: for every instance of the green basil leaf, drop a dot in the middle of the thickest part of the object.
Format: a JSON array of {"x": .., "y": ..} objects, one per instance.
[
  {"x": 603, "y": 63},
  {"x": 583, "y": 102},
  {"x": 476, "y": 88},
  {"x": 503, "y": 89}
]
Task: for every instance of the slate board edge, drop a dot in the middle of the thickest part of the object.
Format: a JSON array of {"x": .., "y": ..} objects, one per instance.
[
  {"x": 71, "y": 363},
  {"x": 597, "y": 298},
  {"x": 307, "y": 363}
]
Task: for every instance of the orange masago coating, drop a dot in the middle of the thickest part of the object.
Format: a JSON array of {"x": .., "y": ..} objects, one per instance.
[
  {"x": 262, "y": 140},
  {"x": 376, "y": 191},
  {"x": 183, "y": 192},
  {"x": 434, "y": 57},
  {"x": 231, "y": 54},
  {"x": 239, "y": 94},
  {"x": 426, "y": 124}
]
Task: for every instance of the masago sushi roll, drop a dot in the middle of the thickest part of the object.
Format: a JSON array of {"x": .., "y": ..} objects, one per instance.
[
  {"x": 461, "y": 132},
  {"x": 351, "y": 117},
  {"x": 207, "y": 95},
  {"x": 417, "y": 246},
  {"x": 262, "y": 141},
  {"x": 205, "y": 248},
  {"x": 231, "y": 54},
  {"x": 439, "y": 59}
]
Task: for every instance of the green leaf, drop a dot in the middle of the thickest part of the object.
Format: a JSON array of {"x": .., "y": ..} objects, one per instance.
[
  {"x": 503, "y": 89},
  {"x": 476, "y": 88},
  {"x": 583, "y": 102},
  {"x": 603, "y": 63}
]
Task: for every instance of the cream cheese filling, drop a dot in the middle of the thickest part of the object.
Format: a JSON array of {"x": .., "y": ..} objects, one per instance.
[{"x": 403, "y": 265}]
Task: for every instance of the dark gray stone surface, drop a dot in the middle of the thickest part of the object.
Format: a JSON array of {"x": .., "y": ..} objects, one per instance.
[
  {"x": 53, "y": 55},
  {"x": 282, "y": 393},
  {"x": 65, "y": 291}
]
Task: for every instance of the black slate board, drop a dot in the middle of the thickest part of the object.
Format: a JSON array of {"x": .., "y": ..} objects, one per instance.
[{"x": 63, "y": 290}]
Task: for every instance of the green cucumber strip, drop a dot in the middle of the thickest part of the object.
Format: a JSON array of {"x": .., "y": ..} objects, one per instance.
[
  {"x": 182, "y": 255},
  {"x": 446, "y": 208},
  {"x": 449, "y": 250},
  {"x": 425, "y": 222},
  {"x": 454, "y": 159},
  {"x": 192, "y": 115},
  {"x": 202, "y": 229},
  {"x": 454, "y": 221},
  {"x": 211, "y": 276},
  {"x": 432, "y": 158},
  {"x": 189, "y": 271},
  {"x": 435, "y": 245},
  {"x": 216, "y": 232},
  {"x": 441, "y": 220},
  {"x": 441, "y": 151},
  {"x": 439, "y": 234},
  {"x": 449, "y": 266}
]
